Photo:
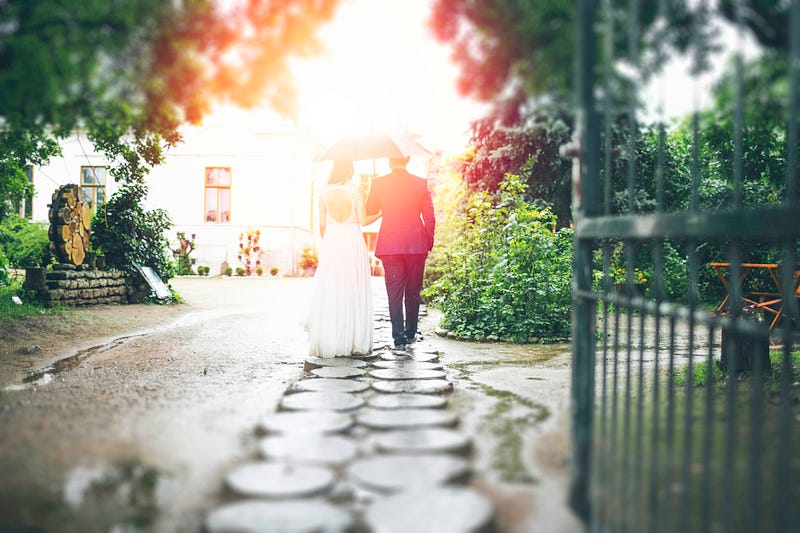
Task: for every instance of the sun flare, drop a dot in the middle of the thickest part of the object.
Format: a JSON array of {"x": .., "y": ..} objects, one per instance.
[{"x": 382, "y": 71}]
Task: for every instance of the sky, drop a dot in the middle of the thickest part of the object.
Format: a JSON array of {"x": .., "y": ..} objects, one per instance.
[{"x": 382, "y": 70}]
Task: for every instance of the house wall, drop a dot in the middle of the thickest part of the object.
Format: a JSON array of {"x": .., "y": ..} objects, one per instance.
[{"x": 273, "y": 183}]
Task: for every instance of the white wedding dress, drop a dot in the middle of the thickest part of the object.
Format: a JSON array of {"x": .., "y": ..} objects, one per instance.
[{"x": 340, "y": 319}]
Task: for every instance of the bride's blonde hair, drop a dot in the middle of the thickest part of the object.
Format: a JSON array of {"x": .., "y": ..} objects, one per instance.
[{"x": 341, "y": 172}]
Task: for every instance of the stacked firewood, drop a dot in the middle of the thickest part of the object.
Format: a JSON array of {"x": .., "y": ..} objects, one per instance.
[{"x": 70, "y": 222}]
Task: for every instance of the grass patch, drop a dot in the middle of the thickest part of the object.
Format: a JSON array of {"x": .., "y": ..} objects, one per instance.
[
  {"x": 702, "y": 372},
  {"x": 29, "y": 306}
]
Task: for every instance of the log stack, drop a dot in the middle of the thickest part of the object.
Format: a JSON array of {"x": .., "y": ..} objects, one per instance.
[{"x": 70, "y": 223}]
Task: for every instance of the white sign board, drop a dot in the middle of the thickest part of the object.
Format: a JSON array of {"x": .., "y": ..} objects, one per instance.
[{"x": 152, "y": 279}]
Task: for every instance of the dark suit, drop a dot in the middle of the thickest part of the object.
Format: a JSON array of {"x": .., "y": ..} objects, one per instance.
[{"x": 404, "y": 240}]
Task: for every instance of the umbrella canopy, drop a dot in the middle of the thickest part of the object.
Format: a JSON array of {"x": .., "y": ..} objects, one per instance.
[{"x": 356, "y": 148}]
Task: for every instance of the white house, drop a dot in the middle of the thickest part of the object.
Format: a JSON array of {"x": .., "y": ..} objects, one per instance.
[{"x": 238, "y": 173}]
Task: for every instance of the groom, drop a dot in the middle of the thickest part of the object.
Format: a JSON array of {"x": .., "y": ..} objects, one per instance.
[{"x": 404, "y": 240}]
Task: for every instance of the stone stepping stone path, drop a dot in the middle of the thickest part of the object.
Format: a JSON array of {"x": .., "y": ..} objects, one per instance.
[
  {"x": 310, "y": 422},
  {"x": 405, "y": 418},
  {"x": 362, "y": 443},
  {"x": 406, "y": 373},
  {"x": 279, "y": 480},
  {"x": 316, "y": 362},
  {"x": 422, "y": 386},
  {"x": 326, "y": 449},
  {"x": 406, "y": 401},
  {"x": 424, "y": 440},
  {"x": 331, "y": 385},
  {"x": 338, "y": 372},
  {"x": 256, "y": 516},
  {"x": 321, "y": 401},
  {"x": 408, "y": 364},
  {"x": 425, "y": 510},
  {"x": 393, "y": 473}
]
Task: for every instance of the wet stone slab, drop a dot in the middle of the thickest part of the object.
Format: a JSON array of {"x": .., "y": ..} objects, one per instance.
[
  {"x": 338, "y": 372},
  {"x": 279, "y": 480},
  {"x": 405, "y": 418},
  {"x": 406, "y": 401},
  {"x": 455, "y": 510},
  {"x": 316, "y": 362},
  {"x": 423, "y": 386},
  {"x": 253, "y": 516},
  {"x": 406, "y": 373},
  {"x": 398, "y": 355},
  {"x": 392, "y": 473},
  {"x": 325, "y": 449},
  {"x": 423, "y": 440},
  {"x": 407, "y": 364},
  {"x": 305, "y": 422},
  {"x": 321, "y": 401},
  {"x": 330, "y": 385},
  {"x": 362, "y": 356}
]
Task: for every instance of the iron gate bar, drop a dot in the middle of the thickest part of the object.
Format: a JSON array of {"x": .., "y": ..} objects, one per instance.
[
  {"x": 583, "y": 309},
  {"x": 777, "y": 222}
]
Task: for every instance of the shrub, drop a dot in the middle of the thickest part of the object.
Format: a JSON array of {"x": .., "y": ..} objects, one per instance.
[
  {"x": 130, "y": 236},
  {"x": 25, "y": 243},
  {"x": 506, "y": 272},
  {"x": 240, "y": 271},
  {"x": 259, "y": 270},
  {"x": 273, "y": 271},
  {"x": 203, "y": 270},
  {"x": 228, "y": 271},
  {"x": 3, "y": 268}
]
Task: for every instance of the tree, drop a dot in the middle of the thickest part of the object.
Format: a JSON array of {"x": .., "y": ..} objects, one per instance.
[
  {"x": 528, "y": 147},
  {"x": 137, "y": 69}
]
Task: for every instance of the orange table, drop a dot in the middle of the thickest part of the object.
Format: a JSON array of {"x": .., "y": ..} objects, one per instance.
[{"x": 768, "y": 302}]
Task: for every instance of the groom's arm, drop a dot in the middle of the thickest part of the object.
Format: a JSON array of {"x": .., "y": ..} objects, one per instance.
[
  {"x": 428, "y": 217},
  {"x": 373, "y": 205}
]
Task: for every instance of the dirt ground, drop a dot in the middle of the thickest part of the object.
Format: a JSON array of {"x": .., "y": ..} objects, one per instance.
[{"x": 128, "y": 416}]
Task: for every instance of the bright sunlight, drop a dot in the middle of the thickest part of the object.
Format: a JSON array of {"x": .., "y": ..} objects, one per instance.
[{"x": 382, "y": 70}]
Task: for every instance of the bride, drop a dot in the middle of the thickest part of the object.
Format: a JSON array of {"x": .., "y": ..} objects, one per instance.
[{"x": 340, "y": 318}]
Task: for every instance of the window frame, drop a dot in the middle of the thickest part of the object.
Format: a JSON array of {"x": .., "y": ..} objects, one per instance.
[
  {"x": 93, "y": 187},
  {"x": 217, "y": 187}
]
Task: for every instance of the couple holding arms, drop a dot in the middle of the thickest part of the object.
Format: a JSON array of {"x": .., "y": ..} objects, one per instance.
[{"x": 340, "y": 318}]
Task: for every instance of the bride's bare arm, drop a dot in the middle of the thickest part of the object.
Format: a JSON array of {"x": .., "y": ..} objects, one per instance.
[
  {"x": 323, "y": 215},
  {"x": 363, "y": 219}
]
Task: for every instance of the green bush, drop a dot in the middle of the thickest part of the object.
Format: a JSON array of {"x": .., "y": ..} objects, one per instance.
[
  {"x": 506, "y": 272},
  {"x": 25, "y": 243},
  {"x": 129, "y": 236},
  {"x": 3, "y": 268}
]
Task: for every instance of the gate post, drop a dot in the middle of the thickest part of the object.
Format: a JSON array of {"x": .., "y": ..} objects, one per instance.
[{"x": 585, "y": 199}]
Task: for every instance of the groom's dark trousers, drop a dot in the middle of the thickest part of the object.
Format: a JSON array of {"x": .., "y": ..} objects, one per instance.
[{"x": 404, "y": 240}]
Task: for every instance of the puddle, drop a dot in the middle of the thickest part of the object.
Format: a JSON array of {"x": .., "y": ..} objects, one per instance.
[
  {"x": 506, "y": 424},
  {"x": 123, "y": 496},
  {"x": 46, "y": 374}
]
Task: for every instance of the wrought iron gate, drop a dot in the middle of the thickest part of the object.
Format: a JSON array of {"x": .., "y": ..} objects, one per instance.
[{"x": 660, "y": 444}]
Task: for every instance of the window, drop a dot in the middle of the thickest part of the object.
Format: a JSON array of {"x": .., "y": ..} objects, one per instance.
[
  {"x": 93, "y": 186},
  {"x": 25, "y": 206},
  {"x": 218, "y": 194}
]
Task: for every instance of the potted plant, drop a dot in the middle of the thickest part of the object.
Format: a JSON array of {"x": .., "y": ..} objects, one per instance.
[
  {"x": 273, "y": 271},
  {"x": 228, "y": 271},
  {"x": 240, "y": 271},
  {"x": 259, "y": 271},
  {"x": 309, "y": 260}
]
